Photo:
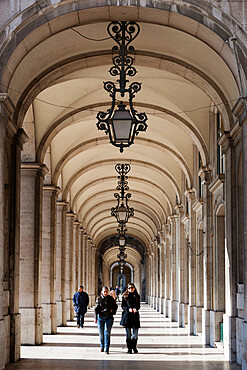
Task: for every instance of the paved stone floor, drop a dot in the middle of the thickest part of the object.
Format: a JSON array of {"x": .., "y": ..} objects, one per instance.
[{"x": 162, "y": 345}]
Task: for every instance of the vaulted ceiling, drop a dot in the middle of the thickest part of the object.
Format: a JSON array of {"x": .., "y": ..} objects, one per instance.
[{"x": 56, "y": 77}]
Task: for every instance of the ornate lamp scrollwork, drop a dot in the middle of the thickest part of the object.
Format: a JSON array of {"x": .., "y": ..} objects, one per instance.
[{"x": 122, "y": 125}]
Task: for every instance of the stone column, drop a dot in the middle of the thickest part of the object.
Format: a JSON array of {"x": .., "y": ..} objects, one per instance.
[
  {"x": 48, "y": 297},
  {"x": 70, "y": 291},
  {"x": 180, "y": 264},
  {"x": 229, "y": 318},
  {"x": 76, "y": 255},
  {"x": 31, "y": 252},
  {"x": 168, "y": 271},
  {"x": 244, "y": 159},
  {"x": 93, "y": 275},
  {"x": 155, "y": 275},
  {"x": 11, "y": 141},
  {"x": 81, "y": 232},
  {"x": 174, "y": 268},
  {"x": 207, "y": 256},
  {"x": 84, "y": 252},
  {"x": 62, "y": 209},
  {"x": 162, "y": 273},
  {"x": 192, "y": 265},
  {"x": 2, "y": 226}
]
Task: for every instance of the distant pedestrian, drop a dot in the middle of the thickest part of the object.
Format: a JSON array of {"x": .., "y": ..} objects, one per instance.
[
  {"x": 105, "y": 308},
  {"x": 80, "y": 301},
  {"x": 117, "y": 290},
  {"x": 130, "y": 316},
  {"x": 113, "y": 293}
]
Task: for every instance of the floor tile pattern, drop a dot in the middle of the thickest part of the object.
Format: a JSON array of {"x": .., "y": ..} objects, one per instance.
[{"x": 161, "y": 345}]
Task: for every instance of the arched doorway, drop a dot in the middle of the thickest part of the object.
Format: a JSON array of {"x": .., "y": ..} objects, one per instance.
[{"x": 121, "y": 280}]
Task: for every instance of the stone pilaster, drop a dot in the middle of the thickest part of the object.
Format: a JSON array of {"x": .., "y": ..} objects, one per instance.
[
  {"x": 168, "y": 272},
  {"x": 207, "y": 256},
  {"x": 155, "y": 275},
  {"x": 62, "y": 314},
  {"x": 2, "y": 228},
  {"x": 192, "y": 264},
  {"x": 32, "y": 176},
  {"x": 229, "y": 319},
  {"x": 84, "y": 259},
  {"x": 174, "y": 268},
  {"x": 49, "y": 239},
  {"x": 244, "y": 159},
  {"x": 240, "y": 112},
  {"x": 70, "y": 217},
  {"x": 180, "y": 264},
  {"x": 162, "y": 273},
  {"x": 76, "y": 254}
]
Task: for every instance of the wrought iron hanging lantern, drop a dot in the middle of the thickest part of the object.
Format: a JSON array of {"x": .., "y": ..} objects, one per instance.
[
  {"x": 122, "y": 211},
  {"x": 122, "y": 125},
  {"x": 121, "y": 241}
]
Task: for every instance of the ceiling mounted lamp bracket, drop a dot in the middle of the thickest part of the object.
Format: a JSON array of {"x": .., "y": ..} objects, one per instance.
[
  {"x": 121, "y": 124},
  {"x": 122, "y": 212}
]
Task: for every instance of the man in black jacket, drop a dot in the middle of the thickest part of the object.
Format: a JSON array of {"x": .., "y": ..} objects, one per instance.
[
  {"x": 80, "y": 301},
  {"x": 105, "y": 308}
]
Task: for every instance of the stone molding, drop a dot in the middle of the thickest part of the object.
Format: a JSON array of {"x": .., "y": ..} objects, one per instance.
[{"x": 217, "y": 183}]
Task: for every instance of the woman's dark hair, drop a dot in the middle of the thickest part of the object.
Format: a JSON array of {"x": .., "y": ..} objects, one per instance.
[
  {"x": 126, "y": 293},
  {"x": 104, "y": 287}
]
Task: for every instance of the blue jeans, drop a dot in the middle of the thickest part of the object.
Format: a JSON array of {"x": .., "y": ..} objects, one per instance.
[
  {"x": 80, "y": 318},
  {"x": 104, "y": 326},
  {"x": 128, "y": 333}
]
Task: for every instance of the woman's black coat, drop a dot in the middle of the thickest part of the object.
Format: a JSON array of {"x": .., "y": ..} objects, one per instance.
[{"x": 130, "y": 319}]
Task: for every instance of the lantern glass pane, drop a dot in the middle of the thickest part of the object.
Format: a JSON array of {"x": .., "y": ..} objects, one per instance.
[
  {"x": 122, "y": 129},
  {"x": 122, "y": 242},
  {"x": 122, "y": 215}
]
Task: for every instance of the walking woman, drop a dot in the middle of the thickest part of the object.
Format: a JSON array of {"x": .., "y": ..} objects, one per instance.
[
  {"x": 130, "y": 316},
  {"x": 105, "y": 308}
]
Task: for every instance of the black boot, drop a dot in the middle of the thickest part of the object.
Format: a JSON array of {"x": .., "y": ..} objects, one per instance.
[
  {"x": 129, "y": 345},
  {"x": 134, "y": 343}
]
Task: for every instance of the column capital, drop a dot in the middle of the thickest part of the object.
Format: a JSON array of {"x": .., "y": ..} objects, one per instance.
[
  {"x": 179, "y": 209},
  {"x": 62, "y": 203},
  {"x": 190, "y": 193},
  {"x": 31, "y": 167},
  {"x": 226, "y": 141},
  {"x": 51, "y": 188},
  {"x": 70, "y": 214},
  {"x": 172, "y": 219},
  {"x": 205, "y": 174}
]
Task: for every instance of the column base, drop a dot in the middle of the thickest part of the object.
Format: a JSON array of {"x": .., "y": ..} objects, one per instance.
[
  {"x": 157, "y": 302},
  {"x": 154, "y": 303},
  {"x": 191, "y": 320},
  {"x": 244, "y": 345},
  {"x": 174, "y": 311},
  {"x": 59, "y": 313},
  {"x": 186, "y": 314},
  {"x": 168, "y": 308},
  {"x": 49, "y": 318},
  {"x": 215, "y": 319},
  {"x": 64, "y": 313},
  {"x": 68, "y": 309},
  {"x": 206, "y": 326},
  {"x": 181, "y": 315},
  {"x": 239, "y": 338},
  {"x": 162, "y": 305},
  {"x": 2, "y": 345},
  {"x": 31, "y": 325},
  {"x": 198, "y": 320},
  {"x": 72, "y": 310},
  {"x": 15, "y": 337},
  {"x": 229, "y": 334}
]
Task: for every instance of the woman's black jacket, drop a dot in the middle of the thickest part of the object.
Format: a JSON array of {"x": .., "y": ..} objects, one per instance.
[
  {"x": 105, "y": 306},
  {"x": 130, "y": 319}
]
